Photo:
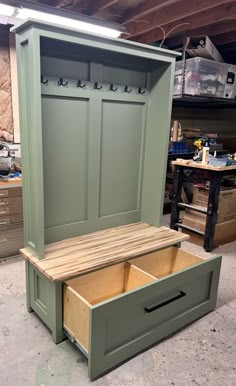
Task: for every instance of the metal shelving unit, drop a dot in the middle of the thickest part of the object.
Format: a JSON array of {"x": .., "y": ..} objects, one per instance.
[
  {"x": 185, "y": 100},
  {"x": 204, "y": 102}
]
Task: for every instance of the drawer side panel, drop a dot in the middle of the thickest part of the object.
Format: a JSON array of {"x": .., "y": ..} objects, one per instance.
[{"x": 76, "y": 317}]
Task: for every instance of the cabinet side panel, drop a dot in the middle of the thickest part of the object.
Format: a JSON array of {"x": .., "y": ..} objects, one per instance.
[
  {"x": 31, "y": 140},
  {"x": 155, "y": 159}
]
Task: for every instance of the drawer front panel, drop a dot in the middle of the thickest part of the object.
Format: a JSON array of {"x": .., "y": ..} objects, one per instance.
[
  {"x": 10, "y": 220},
  {"x": 11, "y": 240},
  {"x": 10, "y": 192},
  {"x": 10, "y": 205},
  {"x": 147, "y": 313},
  {"x": 126, "y": 325}
]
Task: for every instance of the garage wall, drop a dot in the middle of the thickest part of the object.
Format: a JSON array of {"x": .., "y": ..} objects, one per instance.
[
  {"x": 221, "y": 121},
  {"x": 6, "y": 118},
  {"x": 14, "y": 88}
]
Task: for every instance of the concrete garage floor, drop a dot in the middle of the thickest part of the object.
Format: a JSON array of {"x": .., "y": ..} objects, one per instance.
[{"x": 203, "y": 353}]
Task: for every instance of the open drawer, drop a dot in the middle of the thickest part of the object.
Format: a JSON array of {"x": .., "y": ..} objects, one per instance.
[{"x": 118, "y": 311}]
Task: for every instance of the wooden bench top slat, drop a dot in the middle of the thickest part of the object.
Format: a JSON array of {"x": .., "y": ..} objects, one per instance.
[{"x": 82, "y": 254}]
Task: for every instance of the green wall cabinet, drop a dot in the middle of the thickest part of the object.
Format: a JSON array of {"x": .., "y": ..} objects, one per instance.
[{"x": 94, "y": 117}]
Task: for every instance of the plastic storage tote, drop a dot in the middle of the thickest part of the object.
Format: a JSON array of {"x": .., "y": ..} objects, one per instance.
[{"x": 203, "y": 77}]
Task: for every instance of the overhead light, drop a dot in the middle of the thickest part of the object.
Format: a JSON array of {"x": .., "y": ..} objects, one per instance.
[
  {"x": 24, "y": 13},
  {"x": 27, "y": 13},
  {"x": 6, "y": 10}
]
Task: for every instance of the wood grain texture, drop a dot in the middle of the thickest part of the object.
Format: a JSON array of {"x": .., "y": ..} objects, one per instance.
[
  {"x": 136, "y": 277},
  {"x": 167, "y": 261},
  {"x": 76, "y": 316},
  {"x": 197, "y": 165},
  {"x": 98, "y": 286},
  {"x": 9, "y": 184},
  {"x": 201, "y": 19},
  {"x": 172, "y": 14},
  {"x": 78, "y": 255}
]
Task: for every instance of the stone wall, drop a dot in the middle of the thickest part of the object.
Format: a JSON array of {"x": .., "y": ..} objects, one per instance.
[{"x": 6, "y": 117}]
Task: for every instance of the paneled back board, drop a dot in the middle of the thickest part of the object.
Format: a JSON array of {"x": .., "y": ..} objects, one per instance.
[{"x": 95, "y": 118}]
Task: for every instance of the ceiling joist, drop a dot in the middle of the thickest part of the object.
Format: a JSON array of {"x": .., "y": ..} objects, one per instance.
[
  {"x": 217, "y": 14},
  {"x": 171, "y": 14},
  {"x": 149, "y": 21},
  {"x": 225, "y": 38},
  {"x": 99, "y": 5},
  {"x": 209, "y": 30},
  {"x": 145, "y": 8}
]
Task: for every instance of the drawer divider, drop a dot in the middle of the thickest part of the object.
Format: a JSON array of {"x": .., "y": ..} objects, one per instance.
[{"x": 135, "y": 277}]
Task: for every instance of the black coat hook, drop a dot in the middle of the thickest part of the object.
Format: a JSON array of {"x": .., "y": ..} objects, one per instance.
[
  {"x": 78, "y": 84},
  {"x": 112, "y": 87},
  {"x": 140, "y": 90},
  {"x": 126, "y": 89},
  {"x": 61, "y": 82},
  {"x": 43, "y": 81},
  {"x": 96, "y": 86}
]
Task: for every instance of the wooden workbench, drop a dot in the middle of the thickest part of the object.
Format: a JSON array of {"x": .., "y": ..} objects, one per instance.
[
  {"x": 198, "y": 165},
  {"x": 217, "y": 174}
]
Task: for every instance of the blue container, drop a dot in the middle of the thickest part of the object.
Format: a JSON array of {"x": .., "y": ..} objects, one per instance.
[{"x": 179, "y": 147}]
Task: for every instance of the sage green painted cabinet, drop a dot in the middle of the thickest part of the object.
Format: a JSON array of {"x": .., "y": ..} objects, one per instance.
[
  {"x": 94, "y": 117},
  {"x": 93, "y": 158}
]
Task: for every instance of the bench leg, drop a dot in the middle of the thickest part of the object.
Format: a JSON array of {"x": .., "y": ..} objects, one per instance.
[
  {"x": 28, "y": 304},
  {"x": 213, "y": 203},
  {"x": 45, "y": 298},
  {"x": 57, "y": 313}
]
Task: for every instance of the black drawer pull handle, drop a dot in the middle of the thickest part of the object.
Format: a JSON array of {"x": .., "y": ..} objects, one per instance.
[{"x": 167, "y": 301}]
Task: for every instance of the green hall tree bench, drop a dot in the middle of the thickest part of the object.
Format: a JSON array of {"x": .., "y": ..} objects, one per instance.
[{"x": 95, "y": 115}]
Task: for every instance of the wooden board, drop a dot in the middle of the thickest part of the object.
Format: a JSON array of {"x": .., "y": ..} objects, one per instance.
[
  {"x": 13, "y": 182},
  {"x": 78, "y": 255},
  {"x": 100, "y": 285},
  {"x": 76, "y": 316},
  {"x": 165, "y": 262},
  {"x": 197, "y": 165},
  {"x": 136, "y": 277}
]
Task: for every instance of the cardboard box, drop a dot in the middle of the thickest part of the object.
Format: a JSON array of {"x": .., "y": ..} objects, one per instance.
[
  {"x": 225, "y": 232},
  {"x": 227, "y": 202},
  {"x": 204, "y": 47},
  {"x": 168, "y": 191}
]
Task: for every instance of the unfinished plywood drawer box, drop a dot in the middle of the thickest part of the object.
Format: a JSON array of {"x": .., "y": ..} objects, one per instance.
[{"x": 115, "y": 312}]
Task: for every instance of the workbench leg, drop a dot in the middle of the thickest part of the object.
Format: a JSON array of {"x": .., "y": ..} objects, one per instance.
[
  {"x": 177, "y": 186},
  {"x": 57, "y": 313},
  {"x": 27, "y": 277},
  {"x": 213, "y": 203}
]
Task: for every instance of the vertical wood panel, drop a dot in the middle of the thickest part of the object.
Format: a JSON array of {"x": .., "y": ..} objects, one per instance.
[
  {"x": 65, "y": 141},
  {"x": 120, "y": 156},
  {"x": 157, "y": 137},
  {"x": 31, "y": 131}
]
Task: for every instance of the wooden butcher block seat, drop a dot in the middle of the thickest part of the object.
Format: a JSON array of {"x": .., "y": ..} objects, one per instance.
[{"x": 78, "y": 255}]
